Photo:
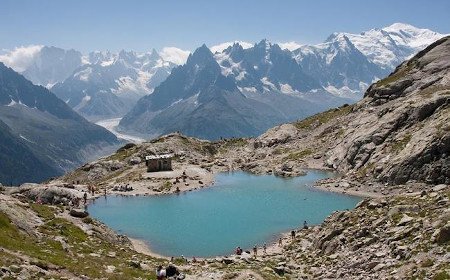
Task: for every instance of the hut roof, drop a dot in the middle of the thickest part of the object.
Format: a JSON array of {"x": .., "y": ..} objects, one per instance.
[{"x": 163, "y": 156}]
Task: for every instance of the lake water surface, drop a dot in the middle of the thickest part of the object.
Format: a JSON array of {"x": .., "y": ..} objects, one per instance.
[{"x": 241, "y": 209}]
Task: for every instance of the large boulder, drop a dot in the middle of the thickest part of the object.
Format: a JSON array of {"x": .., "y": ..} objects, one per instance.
[{"x": 78, "y": 213}]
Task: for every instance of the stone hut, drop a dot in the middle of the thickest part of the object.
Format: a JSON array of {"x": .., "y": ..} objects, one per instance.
[{"x": 159, "y": 162}]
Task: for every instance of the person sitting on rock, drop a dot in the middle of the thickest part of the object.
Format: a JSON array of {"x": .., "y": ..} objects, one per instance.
[
  {"x": 160, "y": 273},
  {"x": 305, "y": 225},
  {"x": 255, "y": 250},
  {"x": 171, "y": 270},
  {"x": 238, "y": 250}
]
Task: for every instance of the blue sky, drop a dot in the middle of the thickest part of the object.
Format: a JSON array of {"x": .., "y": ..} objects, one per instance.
[{"x": 142, "y": 25}]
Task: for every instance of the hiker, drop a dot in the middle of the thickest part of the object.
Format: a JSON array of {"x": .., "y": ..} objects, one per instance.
[
  {"x": 171, "y": 270},
  {"x": 255, "y": 250},
  {"x": 305, "y": 225},
  {"x": 105, "y": 190},
  {"x": 265, "y": 248},
  {"x": 160, "y": 273},
  {"x": 238, "y": 251},
  {"x": 293, "y": 234},
  {"x": 85, "y": 198},
  {"x": 280, "y": 242}
]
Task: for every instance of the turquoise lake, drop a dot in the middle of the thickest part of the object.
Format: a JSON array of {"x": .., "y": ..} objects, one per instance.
[{"x": 241, "y": 209}]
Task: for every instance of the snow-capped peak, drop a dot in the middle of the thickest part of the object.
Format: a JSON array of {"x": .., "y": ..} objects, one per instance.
[
  {"x": 398, "y": 26},
  {"x": 410, "y": 36}
]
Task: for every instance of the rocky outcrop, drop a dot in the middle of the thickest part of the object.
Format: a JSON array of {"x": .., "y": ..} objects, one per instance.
[
  {"x": 399, "y": 131},
  {"x": 48, "y": 194}
]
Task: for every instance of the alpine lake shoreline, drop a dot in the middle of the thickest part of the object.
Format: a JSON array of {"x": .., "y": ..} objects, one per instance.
[{"x": 207, "y": 181}]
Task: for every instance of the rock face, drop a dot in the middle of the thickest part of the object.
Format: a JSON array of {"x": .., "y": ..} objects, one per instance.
[
  {"x": 400, "y": 131},
  {"x": 52, "y": 65}
]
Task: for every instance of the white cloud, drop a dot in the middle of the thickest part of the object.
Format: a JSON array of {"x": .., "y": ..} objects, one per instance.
[
  {"x": 174, "y": 55},
  {"x": 221, "y": 47},
  {"x": 20, "y": 58},
  {"x": 290, "y": 45}
]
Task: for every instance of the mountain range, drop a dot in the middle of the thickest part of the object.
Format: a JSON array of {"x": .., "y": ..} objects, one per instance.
[
  {"x": 244, "y": 91},
  {"x": 206, "y": 99},
  {"x": 110, "y": 84},
  {"x": 268, "y": 83},
  {"x": 346, "y": 64},
  {"x": 41, "y": 135}
]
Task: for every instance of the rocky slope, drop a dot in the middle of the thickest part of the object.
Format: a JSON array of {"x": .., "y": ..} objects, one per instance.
[
  {"x": 54, "y": 134},
  {"x": 44, "y": 241},
  {"x": 15, "y": 155}
]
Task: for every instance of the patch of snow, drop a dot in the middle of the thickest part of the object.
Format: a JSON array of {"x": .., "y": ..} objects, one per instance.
[
  {"x": 247, "y": 89},
  {"x": 287, "y": 89},
  {"x": 344, "y": 92},
  {"x": 266, "y": 82},
  {"x": 234, "y": 68},
  {"x": 241, "y": 76},
  {"x": 26, "y": 139},
  {"x": 85, "y": 60},
  {"x": 12, "y": 103},
  {"x": 174, "y": 55},
  {"x": 84, "y": 74},
  {"x": 176, "y": 102},
  {"x": 50, "y": 85},
  {"x": 221, "y": 47},
  {"x": 109, "y": 62},
  {"x": 289, "y": 45},
  {"x": 86, "y": 98}
]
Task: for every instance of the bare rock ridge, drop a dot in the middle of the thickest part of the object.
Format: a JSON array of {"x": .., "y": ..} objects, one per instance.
[{"x": 399, "y": 131}]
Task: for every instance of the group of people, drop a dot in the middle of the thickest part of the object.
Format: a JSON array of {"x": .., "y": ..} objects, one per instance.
[
  {"x": 122, "y": 188},
  {"x": 169, "y": 271},
  {"x": 239, "y": 250}
]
